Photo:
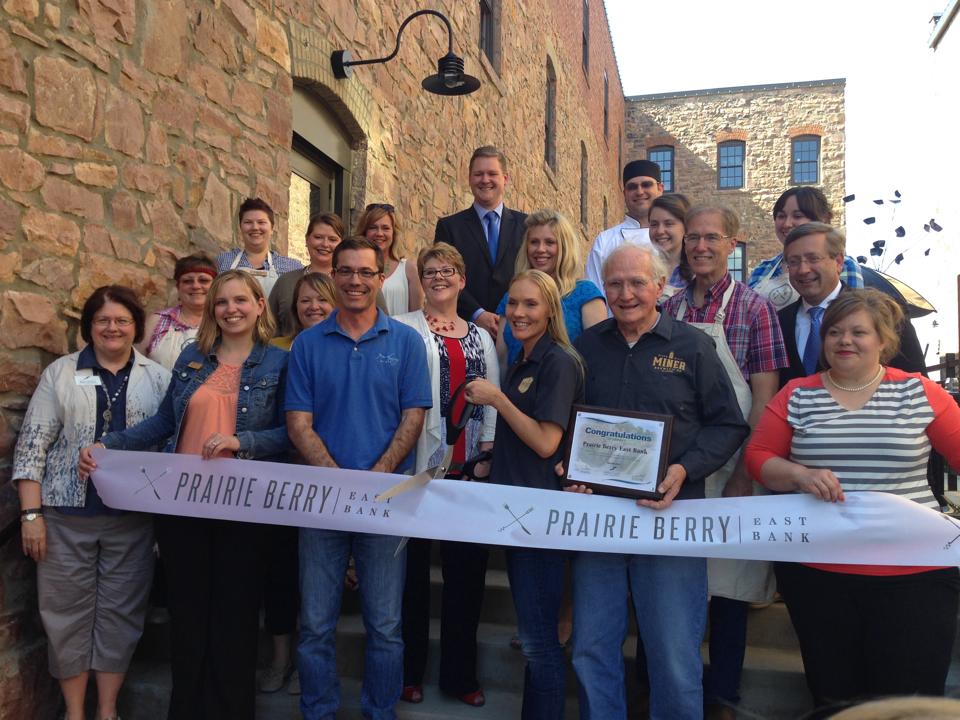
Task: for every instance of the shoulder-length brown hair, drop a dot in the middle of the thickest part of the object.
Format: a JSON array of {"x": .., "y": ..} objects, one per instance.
[
  {"x": 886, "y": 313},
  {"x": 209, "y": 332},
  {"x": 372, "y": 214}
]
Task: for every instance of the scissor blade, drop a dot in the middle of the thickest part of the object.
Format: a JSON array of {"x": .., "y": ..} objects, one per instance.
[{"x": 421, "y": 478}]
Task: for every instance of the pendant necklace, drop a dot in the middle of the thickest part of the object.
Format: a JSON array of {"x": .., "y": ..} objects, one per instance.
[{"x": 107, "y": 414}]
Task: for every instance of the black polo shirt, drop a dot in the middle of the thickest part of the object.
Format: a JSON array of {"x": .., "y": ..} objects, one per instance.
[
  {"x": 672, "y": 370},
  {"x": 544, "y": 386}
]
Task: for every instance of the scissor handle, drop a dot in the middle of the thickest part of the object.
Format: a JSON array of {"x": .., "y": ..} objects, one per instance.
[{"x": 455, "y": 426}]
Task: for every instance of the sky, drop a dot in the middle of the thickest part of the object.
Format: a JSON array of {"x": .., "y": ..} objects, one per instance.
[{"x": 902, "y": 107}]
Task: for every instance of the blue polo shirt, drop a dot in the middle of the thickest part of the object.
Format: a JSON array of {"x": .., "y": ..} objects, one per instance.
[{"x": 358, "y": 390}]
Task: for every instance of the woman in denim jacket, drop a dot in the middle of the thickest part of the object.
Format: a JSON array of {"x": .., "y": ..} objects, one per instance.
[{"x": 224, "y": 400}]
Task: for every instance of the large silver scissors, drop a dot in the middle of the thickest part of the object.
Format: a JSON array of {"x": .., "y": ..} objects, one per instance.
[{"x": 454, "y": 427}]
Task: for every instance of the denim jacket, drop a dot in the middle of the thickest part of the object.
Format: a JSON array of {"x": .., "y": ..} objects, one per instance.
[{"x": 261, "y": 426}]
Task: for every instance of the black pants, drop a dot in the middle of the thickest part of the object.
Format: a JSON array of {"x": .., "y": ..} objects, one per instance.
[
  {"x": 464, "y": 568},
  {"x": 214, "y": 577},
  {"x": 281, "y": 583},
  {"x": 865, "y": 636}
]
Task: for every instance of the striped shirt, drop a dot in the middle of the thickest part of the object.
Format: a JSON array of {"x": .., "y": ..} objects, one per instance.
[
  {"x": 750, "y": 324},
  {"x": 883, "y": 446},
  {"x": 282, "y": 263}
]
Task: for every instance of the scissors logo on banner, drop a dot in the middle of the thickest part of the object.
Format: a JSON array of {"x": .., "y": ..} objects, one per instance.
[
  {"x": 517, "y": 519},
  {"x": 150, "y": 482},
  {"x": 956, "y": 525}
]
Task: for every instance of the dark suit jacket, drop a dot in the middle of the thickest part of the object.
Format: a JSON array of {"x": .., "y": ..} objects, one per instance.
[
  {"x": 909, "y": 359},
  {"x": 486, "y": 281}
]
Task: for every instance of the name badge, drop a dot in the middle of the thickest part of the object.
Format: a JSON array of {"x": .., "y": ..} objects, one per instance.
[
  {"x": 194, "y": 365},
  {"x": 87, "y": 380}
]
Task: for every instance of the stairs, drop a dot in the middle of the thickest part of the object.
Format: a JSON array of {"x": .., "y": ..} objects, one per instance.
[{"x": 772, "y": 687}]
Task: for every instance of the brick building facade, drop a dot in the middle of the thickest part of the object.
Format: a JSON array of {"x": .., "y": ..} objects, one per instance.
[
  {"x": 130, "y": 131},
  {"x": 743, "y": 146}
]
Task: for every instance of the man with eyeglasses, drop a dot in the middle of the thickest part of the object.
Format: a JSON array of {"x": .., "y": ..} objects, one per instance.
[
  {"x": 643, "y": 360},
  {"x": 745, "y": 329},
  {"x": 814, "y": 254},
  {"x": 488, "y": 236},
  {"x": 357, "y": 392},
  {"x": 641, "y": 186}
]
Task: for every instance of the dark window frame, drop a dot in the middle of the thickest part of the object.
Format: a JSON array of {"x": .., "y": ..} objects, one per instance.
[
  {"x": 550, "y": 118},
  {"x": 584, "y": 187},
  {"x": 795, "y": 171},
  {"x": 586, "y": 37},
  {"x": 729, "y": 184},
  {"x": 739, "y": 255},
  {"x": 489, "y": 38},
  {"x": 667, "y": 174},
  {"x": 606, "y": 105}
]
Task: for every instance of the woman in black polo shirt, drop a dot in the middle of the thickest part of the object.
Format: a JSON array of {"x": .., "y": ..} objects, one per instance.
[{"x": 533, "y": 409}]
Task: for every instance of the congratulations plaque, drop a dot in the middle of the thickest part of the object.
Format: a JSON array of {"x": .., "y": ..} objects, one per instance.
[{"x": 617, "y": 452}]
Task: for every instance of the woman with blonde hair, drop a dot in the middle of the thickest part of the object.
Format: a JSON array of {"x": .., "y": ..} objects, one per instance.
[
  {"x": 314, "y": 297},
  {"x": 401, "y": 286},
  {"x": 551, "y": 245},
  {"x": 533, "y": 409},
  {"x": 224, "y": 400}
]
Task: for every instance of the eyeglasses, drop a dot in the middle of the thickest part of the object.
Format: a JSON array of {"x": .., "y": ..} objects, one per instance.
[
  {"x": 796, "y": 261},
  {"x": 615, "y": 287},
  {"x": 709, "y": 238},
  {"x": 643, "y": 185},
  {"x": 431, "y": 273},
  {"x": 380, "y": 206},
  {"x": 347, "y": 273},
  {"x": 119, "y": 322}
]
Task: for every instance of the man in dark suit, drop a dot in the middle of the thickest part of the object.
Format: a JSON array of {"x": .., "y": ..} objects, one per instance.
[
  {"x": 488, "y": 235},
  {"x": 814, "y": 255}
]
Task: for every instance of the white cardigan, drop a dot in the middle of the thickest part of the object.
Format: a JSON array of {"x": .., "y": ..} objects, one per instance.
[
  {"x": 430, "y": 436},
  {"x": 61, "y": 420}
]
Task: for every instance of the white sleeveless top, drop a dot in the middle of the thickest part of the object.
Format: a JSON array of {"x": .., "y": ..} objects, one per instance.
[{"x": 396, "y": 291}]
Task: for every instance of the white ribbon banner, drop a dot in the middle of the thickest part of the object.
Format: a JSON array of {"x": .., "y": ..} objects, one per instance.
[{"x": 869, "y": 528}]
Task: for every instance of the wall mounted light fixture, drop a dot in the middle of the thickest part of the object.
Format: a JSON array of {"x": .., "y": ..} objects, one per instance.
[{"x": 449, "y": 80}]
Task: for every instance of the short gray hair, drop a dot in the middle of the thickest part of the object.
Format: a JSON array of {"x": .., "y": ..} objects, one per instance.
[
  {"x": 658, "y": 261},
  {"x": 835, "y": 242}
]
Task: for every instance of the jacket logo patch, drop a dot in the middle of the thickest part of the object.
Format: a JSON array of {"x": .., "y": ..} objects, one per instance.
[
  {"x": 525, "y": 384},
  {"x": 668, "y": 363}
]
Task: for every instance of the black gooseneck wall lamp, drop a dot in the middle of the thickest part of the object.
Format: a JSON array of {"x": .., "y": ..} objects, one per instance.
[{"x": 449, "y": 80}]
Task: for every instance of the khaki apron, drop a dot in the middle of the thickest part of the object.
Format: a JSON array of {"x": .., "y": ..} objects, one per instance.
[
  {"x": 168, "y": 349},
  {"x": 749, "y": 580},
  {"x": 267, "y": 278},
  {"x": 777, "y": 290}
]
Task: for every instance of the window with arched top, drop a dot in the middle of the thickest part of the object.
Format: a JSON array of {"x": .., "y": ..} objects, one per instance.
[
  {"x": 586, "y": 36},
  {"x": 730, "y": 164},
  {"x": 606, "y": 105},
  {"x": 662, "y": 155},
  {"x": 805, "y": 160},
  {"x": 550, "y": 119},
  {"x": 583, "y": 185}
]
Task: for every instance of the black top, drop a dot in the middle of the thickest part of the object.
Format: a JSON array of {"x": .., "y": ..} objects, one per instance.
[
  {"x": 909, "y": 358},
  {"x": 671, "y": 370},
  {"x": 114, "y": 388},
  {"x": 487, "y": 281},
  {"x": 544, "y": 386}
]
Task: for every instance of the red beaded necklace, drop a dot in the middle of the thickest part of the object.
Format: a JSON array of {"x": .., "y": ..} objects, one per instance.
[{"x": 439, "y": 326}]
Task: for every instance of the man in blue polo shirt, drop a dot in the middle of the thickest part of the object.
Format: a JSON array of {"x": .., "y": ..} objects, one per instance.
[{"x": 357, "y": 392}]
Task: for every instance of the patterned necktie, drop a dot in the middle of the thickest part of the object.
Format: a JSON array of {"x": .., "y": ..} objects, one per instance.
[
  {"x": 811, "y": 353},
  {"x": 492, "y": 222}
]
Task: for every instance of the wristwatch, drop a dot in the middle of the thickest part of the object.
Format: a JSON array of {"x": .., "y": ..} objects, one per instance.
[{"x": 31, "y": 514}]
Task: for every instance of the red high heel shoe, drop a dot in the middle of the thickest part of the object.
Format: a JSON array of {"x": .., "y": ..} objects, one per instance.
[
  {"x": 474, "y": 699},
  {"x": 412, "y": 694}
]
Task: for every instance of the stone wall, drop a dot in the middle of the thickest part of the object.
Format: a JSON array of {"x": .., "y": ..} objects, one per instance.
[
  {"x": 766, "y": 118},
  {"x": 130, "y": 131}
]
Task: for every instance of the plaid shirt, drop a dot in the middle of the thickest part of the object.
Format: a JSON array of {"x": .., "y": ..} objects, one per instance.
[
  {"x": 850, "y": 274},
  {"x": 750, "y": 324},
  {"x": 169, "y": 319},
  {"x": 282, "y": 263}
]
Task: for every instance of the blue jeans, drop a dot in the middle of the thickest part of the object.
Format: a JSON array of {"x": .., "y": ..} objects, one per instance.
[
  {"x": 323, "y": 561},
  {"x": 670, "y": 597},
  {"x": 536, "y": 583}
]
